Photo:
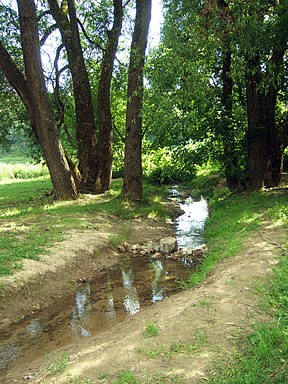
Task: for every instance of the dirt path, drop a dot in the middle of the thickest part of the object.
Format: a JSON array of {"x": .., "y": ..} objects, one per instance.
[{"x": 195, "y": 328}]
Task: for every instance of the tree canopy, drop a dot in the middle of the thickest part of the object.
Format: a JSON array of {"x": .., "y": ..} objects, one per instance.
[{"x": 214, "y": 90}]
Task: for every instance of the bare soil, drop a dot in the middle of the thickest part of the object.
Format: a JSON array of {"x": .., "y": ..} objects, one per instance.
[{"x": 196, "y": 327}]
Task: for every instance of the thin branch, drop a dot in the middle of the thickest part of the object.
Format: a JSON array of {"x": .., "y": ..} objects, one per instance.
[
  {"x": 127, "y": 2},
  {"x": 118, "y": 132},
  {"x": 47, "y": 33},
  {"x": 48, "y": 12},
  {"x": 88, "y": 38}
]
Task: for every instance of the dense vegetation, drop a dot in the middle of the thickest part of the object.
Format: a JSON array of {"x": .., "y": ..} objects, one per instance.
[
  {"x": 212, "y": 94},
  {"x": 214, "y": 91}
]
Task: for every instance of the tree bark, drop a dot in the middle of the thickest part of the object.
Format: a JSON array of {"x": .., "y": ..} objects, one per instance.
[
  {"x": 85, "y": 129},
  {"x": 231, "y": 162},
  {"x": 105, "y": 136},
  {"x": 256, "y": 163},
  {"x": 34, "y": 95},
  {"x": 274, "y": 145},
  {"x": 132, "y": 184}
]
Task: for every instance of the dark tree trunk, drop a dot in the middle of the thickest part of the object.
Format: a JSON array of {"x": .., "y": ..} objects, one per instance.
[
  {"x": 231, "y": 162},
  {"x": 256, "y": 130},
  {"x": 132, "y": 185},
  {"x": 274, "y": 153},
  {"x": 85, "y": 129},
  {"x": 274, "y": 145},
  {"x": 33, "y": 92},
  {"x": 104, "y": 145}
]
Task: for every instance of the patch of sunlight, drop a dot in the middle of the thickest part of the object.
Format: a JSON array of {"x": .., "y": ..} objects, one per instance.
[
  {"x": 153, "y": 215},
  {"x": 11, "y": 212},
  {"x": 13, "y": 227},
  {"x": 157, "y": 199},
  {"x": 249, "y": 219}
]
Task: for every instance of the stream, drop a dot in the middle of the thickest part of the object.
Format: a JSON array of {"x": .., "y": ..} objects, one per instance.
[{"x": 108, "y": 298}]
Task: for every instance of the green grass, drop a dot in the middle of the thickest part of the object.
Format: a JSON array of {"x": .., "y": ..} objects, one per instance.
[
  {"x": 56, "y": 364},
  {"x": 126, "y": 377},
  {"x": 151, "y": 330},
  {"x": 31, "y": 221},
  {"x": 230, "y": 222},
  {"x": 262, "y": 357}
]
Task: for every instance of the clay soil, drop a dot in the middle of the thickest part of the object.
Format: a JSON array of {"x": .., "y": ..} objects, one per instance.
[{"x": 196, "y": 327}]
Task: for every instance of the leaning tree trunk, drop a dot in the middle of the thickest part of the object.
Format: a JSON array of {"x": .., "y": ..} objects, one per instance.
[
  {"x": 132, "y": 184},
  {"x": 39, "y": 108},
  {"x": 105, "y": 136},
  {"x": 256, "y": 137},
  {"x": 85, "y": 125}
]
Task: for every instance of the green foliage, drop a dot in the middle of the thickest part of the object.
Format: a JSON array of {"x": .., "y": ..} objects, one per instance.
[
  {"x": 29, "y": 214},
  {"x": 22, "y": 170},
  {"x": 151, "y": 330},
  {"x": 126, "y": 377},
  {"x": 165, "y": 166}
]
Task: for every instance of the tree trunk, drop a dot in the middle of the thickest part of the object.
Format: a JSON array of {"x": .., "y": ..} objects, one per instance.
[
  {"x": 231, "y": 162},
  {"x": 256, "y": 128},
  {"x": 132, "y": 185},
  {"x": 85, "y": 125},
  {"x": 274, "y": 153},
  {"x": 274, "y": 145},
  {"x": 38, "y": 105},
  {"x": 104, "y": 145}
]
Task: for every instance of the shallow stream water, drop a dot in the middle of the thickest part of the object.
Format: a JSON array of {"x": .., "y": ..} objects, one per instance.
[{"x": 108, "y": 298}]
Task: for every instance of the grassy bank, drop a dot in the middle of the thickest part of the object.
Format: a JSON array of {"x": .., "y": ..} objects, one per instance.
[
  {"x": 262, "y": 356},
  {"x": 31, "y": 221}
]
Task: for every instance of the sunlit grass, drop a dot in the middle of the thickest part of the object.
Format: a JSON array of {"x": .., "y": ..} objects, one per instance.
[{"x": 32, "y": 221}]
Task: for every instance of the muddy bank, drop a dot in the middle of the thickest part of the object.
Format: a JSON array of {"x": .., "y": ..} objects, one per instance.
[
  {"x": 79, "y": 257},
  {"x": 195, "y": 328}
]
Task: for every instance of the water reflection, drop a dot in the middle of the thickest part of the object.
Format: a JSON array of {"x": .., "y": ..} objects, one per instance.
[
  {"x": 131, "y": 300},
  {"x": 8, "y": 353},
  {"x": 34, "y": 328},
  {"x": 157, "y": 292},
  {"x": 110, "y": 312},
  {"x": 81, "y": 312}
]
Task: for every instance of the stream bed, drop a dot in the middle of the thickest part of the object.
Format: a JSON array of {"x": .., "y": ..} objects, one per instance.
[{"x": 107, "y": 298}]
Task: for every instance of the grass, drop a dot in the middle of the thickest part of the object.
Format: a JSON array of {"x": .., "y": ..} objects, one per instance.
[
  {"x": 56, "y": 364},
  {"x": 151, "y": 330},
  {"x": 127, "y": 377},
  {"x": 262, "y": 357},
  {"x": 31, "y": 221},
  {"x": 197, "y": 341}
]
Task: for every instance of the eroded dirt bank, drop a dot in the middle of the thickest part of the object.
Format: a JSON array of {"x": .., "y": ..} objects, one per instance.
[{"x": 195, "y": 327}]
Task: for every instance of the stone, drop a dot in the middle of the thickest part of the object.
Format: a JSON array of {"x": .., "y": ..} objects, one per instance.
[
  {"x": 168, "y": 245},
  {"x": 156, "y": 255},
  {"x": 135, "y": 247},
  {"x": 121, "y": 249},
  {"x": 127, "y": 246}
]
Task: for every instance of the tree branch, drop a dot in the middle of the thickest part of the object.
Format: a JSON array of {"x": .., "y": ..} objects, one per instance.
[
  {"x": 47, "y": 33},
  {"x": 88, "y": 38}
]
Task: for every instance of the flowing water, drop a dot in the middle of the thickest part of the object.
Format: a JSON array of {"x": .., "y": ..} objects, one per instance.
[{"x": 108, "y": 298}]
